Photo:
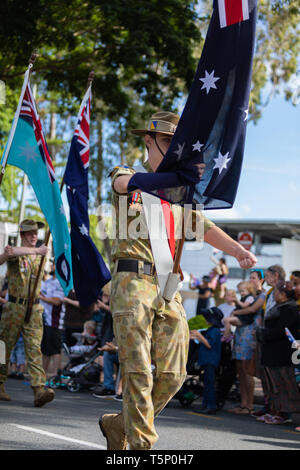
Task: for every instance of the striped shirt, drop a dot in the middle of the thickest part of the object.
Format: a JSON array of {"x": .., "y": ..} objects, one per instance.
[{"x": 53, "y": 315}]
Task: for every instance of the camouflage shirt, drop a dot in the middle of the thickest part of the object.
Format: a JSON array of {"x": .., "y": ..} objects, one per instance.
[
  {"x": 21, "y": 273},
  {"x": 130, "y": 220}
]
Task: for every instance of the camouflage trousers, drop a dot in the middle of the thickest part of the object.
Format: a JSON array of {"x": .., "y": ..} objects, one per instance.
[
  {"x": 11, "y": 325},
  {"x": 153, "y": 338}
]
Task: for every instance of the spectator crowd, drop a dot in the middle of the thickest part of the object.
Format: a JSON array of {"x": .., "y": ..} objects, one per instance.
[
  {"x": 236, "y": 338},
  {"x": 249, "y": 335}
]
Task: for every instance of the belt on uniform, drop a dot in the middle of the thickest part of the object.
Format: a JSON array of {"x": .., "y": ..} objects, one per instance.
[
  {"x": 19, "y": 300},
  {"x": 132, "y": 266}
]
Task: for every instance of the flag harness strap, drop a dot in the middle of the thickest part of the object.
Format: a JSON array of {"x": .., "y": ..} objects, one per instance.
[{"x": 163, "y": 259}]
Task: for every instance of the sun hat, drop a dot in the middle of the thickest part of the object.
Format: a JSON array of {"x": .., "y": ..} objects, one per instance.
[
  {"x": 28, "y": 224},
  {"x": 214, "y": 316},
  {"x": 163, "y": 122}
]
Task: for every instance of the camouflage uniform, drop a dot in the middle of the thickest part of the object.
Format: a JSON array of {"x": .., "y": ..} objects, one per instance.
[
  {"x": 149, "y": 330},
  {"x": 21, "y": 273}
]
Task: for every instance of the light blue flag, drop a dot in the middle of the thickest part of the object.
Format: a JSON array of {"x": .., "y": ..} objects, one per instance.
[{"x": 27, "y": 149}]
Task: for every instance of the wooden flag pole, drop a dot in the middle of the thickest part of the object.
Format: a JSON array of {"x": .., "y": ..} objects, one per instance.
[
  {"x": 185, "y": 221},
  {"x": 46, "y": 241},
  {"x": 47, "y": 238}
]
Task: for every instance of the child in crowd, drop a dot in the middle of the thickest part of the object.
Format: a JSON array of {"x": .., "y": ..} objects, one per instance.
[
  {"x": 209, "y": 356},
  {"x": 85, "y": 340},
  {"x": 247, "y": 292},
  {"x": 229, "y": 303}
]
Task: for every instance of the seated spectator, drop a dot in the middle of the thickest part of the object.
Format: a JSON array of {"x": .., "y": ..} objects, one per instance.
[
  {"x": 276, "y": 355},
  {"x": 85, "y": 340}
]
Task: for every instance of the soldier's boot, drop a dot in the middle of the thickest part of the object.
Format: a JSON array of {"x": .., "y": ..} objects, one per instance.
[
  {"x": 3, "y": 395},
  {"x": 42, "y": 396},
  {"x": 112, "y": 427}
]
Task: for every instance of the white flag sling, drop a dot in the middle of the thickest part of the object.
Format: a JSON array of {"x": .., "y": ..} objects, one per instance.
[{"x": 158, "y": 238}]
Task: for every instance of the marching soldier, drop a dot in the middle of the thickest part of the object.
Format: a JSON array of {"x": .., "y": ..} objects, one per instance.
[
  {"x": 22, "y": 268},
  {"x": 151, "y": 332}
]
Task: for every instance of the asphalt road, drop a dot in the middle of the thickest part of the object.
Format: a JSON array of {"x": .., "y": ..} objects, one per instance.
[{"x": 70, "y": 422}]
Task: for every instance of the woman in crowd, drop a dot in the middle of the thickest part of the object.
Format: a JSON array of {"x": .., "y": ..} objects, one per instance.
[
  {"x": 245, "y": 346},
  {"x": 278, "y": 374}
]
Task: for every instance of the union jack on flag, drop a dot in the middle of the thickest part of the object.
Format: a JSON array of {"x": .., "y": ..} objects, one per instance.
[
  {"x": 29, "y": 111},
  {"x": 82, "y": 131}
]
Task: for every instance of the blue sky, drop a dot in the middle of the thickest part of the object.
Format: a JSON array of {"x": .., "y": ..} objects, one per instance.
[{"x": 270, "y": 181}]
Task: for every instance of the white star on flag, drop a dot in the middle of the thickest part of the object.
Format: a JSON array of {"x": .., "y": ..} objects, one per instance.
[
  {"x": 29, "y": 152},
  {"x": 221, "y": 162},
  {"x": 197, "y": 146},
  {"x": 179, "y": 151},
  {"x": 246, "y": 111},
  {"x": 209, "y": 81},
  {"x": 83, "y": 230}
]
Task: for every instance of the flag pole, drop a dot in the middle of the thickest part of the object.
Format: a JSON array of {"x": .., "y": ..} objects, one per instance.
[
  {"x": 15, "y": 120},
  {"x": 47, "y": 238},
  {"x": 176, "y": 265}
]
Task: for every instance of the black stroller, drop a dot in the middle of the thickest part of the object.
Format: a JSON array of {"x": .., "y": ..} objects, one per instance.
[
  {"x": 225, "y": 378},
  {"x": 80, "y": 373}
]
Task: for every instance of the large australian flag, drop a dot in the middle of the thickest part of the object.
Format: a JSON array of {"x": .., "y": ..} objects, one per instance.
[
  {"x": 90, "y": 272},
  {"x": 212, "y": 127}
]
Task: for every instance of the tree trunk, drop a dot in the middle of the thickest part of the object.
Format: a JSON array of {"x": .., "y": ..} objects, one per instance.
[
  {"x": 52, "y": 136},
  {"x": 99, "y": 176}
]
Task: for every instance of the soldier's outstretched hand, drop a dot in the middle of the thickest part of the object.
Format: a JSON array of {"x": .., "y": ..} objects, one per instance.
[
  {"x": 8, "y": 250},
  {"x": 246, "y": 259},
  {"x": 43, "y": 250}
]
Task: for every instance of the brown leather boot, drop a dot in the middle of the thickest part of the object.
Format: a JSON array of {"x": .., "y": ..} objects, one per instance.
[
  {"x": 112, "y": 427},
  {"x": 42, "y": 395},
  {"x": 3, "y": 395}
]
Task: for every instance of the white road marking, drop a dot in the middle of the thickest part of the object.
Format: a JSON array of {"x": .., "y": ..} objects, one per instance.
[{"x": 58, "y": 436}]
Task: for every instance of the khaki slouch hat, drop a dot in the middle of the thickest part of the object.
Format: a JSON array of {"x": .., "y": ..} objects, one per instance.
[
  {"x": 163, "y": 122},
  {"x": 28, "y": 224}
]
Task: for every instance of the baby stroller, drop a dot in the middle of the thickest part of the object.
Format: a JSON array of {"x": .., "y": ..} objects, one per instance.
[
  {"x": 225, "y": 378},
  {"x": 81, "y": 372}
]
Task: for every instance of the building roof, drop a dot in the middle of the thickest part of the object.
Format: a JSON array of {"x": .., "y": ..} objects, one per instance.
[{"x": 270, "y": 231}]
